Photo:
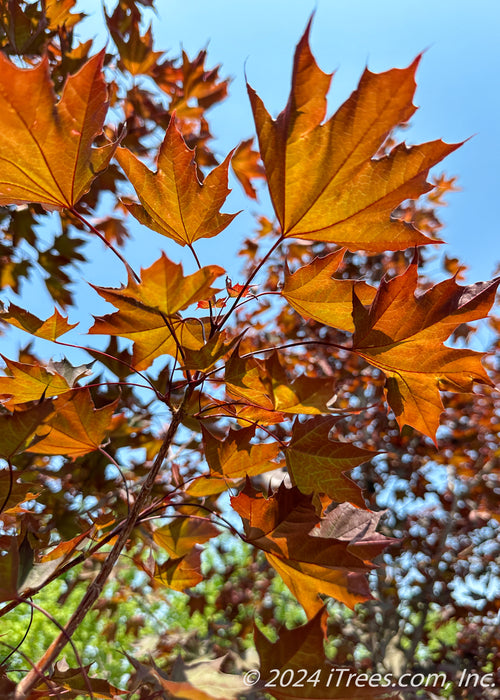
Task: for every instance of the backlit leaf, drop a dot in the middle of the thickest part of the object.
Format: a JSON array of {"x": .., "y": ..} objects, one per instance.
[
  {"x": 30, "y": 383},
  {"x": 46, "y": 148},
  {"x": 402, "y": 334},
  {"x": 164, "y": 288},
  {"x": 287, "y": 528},
  {"x": 77, "y": 427},
  {"x": 232, "y": 459},
  {"x": 182, "y": 534},
  {"x": 18, "y": 427},
  {"x": 180, "y": 573},
  {"x": 173, "y": 200},
  {"x": 324, "y": 180},
  {"x": 313, "y": 292},
  {"x": 318, "y": 464},
  {"x": 51, "y": 329}
]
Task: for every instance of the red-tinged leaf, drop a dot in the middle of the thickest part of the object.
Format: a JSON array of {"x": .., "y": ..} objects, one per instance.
[
  {"x": 136, "y": 51},
  {"x": 264, "y": 383},
  {"x": 325, "y": 182},
  {"x": 232, "y": 459},
  {"x": 246, "y": 379},
  {"x": 318, "y": 464},
  {"x": 303, "y": 395},
  {"x": 180, "y": 536},
  {"x": 314, "y": 293},
  {"x": 358, "y": 528},
  {"x": 46, "y": 148},
  {"x": 307, "y": 581},
  {"x": 247, "y": 166},
  {"x": 17, "y": 428},
  {"x": 9, "y": 566},
  {"x": 59, "y": 14},
  {"x": 77, "y": 427},
  {"x": 151, "y": 335},
  {"x": 214, "y": 349},
  {"x": 303, "y": 648},
  {"x": 235, "y": 290},
  {"x": 64, "y": 550},
  {"x": 286, "y": 527},
  {"x": 402, "y": 334},
  {"x": 164, "y": 288},
  {"x": 174, "y": 202},
  {"x": 180, "y": 573},
  {"x": 51, "y": 329},
  {"x": 30, "y": 383},
  {"x": 74, "y": 683}
]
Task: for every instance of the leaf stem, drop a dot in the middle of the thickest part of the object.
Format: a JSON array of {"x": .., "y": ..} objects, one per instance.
[
  {"x": 106, "y": 243},
  {"x": 256, "y": 269}
]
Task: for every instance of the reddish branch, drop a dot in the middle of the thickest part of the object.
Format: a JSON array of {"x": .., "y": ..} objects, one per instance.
[{"x": 32, "y": 679}]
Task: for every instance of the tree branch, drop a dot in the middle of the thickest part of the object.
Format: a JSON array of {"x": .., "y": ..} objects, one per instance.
[{"x": 93, "y": 592}]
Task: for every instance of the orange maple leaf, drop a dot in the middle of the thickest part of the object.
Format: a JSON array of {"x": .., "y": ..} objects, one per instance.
[
  {"x": 402, "y": 334},
  {"x": 174, "y": 202},
  {"x": 312, "y": 555},
  {"x": 76, "y": 428},
  {"x": 46, "y": 147},
  {"x": 318, "y": 464},
  {"x": 324, "y": 179},
  {"x": 313, "y": 292}
]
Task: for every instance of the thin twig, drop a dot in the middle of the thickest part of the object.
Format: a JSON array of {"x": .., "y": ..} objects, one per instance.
[
  {"x": 106, "y": 242},
  {"x": 256, "y": 269}
]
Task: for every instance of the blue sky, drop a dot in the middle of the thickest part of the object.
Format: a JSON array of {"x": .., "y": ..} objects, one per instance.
[{"x": 457, "y": 90}]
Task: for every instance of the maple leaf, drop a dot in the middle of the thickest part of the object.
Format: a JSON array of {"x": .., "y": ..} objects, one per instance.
[
  {"x": 182, "y": 534},
  {"x": 286, "y": 527},
  {"x": 59, "y": 14},
  {"x": 214, "y": 349},
  {"x": 148, "y": 312},
  {"x": 402, "y": 334},
  {"x": 232, "y": 459},
  {"x": 324, "y": 181},
  {"x": 318, "y": 464},
  {"x": 190, "y": 81},
  {"x": 164, "y": 288},
  {"x": 32, "y": 382},
  {"x": 77, "y": 427},
  {"x": 151, "y": 335},
  {"x": 18, "y": 427},
  {"x": 314, "y": 293},
  {"x": 181, "y": 572},
  {"x": 264, "y": 383},
  {"x": 247, "y": 166},
  {"x": 300, "y": 650},
  {"x": 136, "y": 51},
  {"x": 46, "y": 148},
  {"x": 51, "y": 329},
  {"x": 174, "y": 202}
]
